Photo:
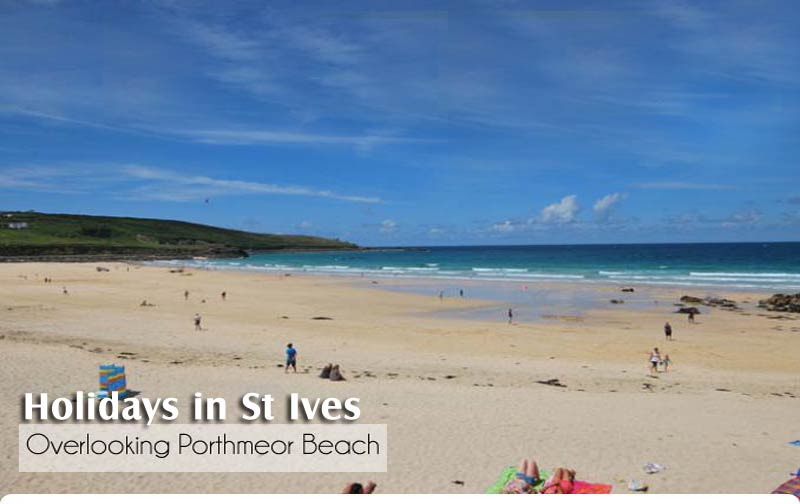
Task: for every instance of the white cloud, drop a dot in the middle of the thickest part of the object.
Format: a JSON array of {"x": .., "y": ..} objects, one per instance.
[
  {"x": 305, "y": 225},
  {"x": 604, "y": 205},
  {"x": 503, "y": 227},
  {"x": 150, "y": 183},
  {"x": 388, "y": 226},
  {"x": 744, "y": 218},
  {"x": 266, "y": 137},
  {"x": 188, "y": 187},
  {"x": 561, "y": 212}
]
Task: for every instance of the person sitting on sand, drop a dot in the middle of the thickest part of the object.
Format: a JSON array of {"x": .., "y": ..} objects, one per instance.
[
  {"x": 655, "y": 358},
  {"x": 561, "y": 482},
  {"x": 668, "y": 331},
  {"x": 326, "y": 372},
  {"x": 198, "y": 320},
  {"x": 525, "y": 480},
  {"x": 291, "y": 358},
  {"x": 336, "y": 374},
  {"x": 358, "y": 488}
]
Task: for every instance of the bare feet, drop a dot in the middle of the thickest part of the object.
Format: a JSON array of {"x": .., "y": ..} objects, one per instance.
[{"x": 358, "y": 488}]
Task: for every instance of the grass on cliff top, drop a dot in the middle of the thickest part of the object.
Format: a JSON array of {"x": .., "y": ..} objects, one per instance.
[{"x": 58, "y": 230}]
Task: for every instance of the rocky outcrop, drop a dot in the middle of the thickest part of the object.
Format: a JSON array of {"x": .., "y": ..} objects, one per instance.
[
  {"x": 688, "y": 309},
  {"x": 714, "y": 302},
  {"x": 725, "y": 304},
  {"x": 781, "y": 303}
]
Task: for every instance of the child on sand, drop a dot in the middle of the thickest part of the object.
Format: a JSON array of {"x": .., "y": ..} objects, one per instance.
[
  {"x": 666, "y": 362},
  {"x": 291, "y": 358}
]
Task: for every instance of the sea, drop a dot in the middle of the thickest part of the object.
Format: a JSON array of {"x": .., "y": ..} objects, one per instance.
[{"x": 724, "y": 266}]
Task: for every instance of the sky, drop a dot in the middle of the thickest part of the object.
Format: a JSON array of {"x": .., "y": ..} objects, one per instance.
[{"x": 410, "y": 123}]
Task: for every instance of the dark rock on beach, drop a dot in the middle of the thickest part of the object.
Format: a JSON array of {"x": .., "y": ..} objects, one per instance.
[
  {"x": 688, "y": 309},
  {"x": 553, "y": 382},
  {"x": 714, "y": 302},
  {"x": 781, "y": 303}
]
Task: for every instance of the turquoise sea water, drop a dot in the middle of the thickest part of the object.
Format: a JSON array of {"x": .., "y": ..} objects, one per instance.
[{"x": 762, "y": 266}]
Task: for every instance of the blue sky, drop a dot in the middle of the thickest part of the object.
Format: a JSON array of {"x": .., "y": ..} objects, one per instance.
[{"x": 410, "y": 123}]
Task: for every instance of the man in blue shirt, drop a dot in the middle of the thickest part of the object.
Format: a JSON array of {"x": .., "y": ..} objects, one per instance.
[{"x": 291, "y": 358}]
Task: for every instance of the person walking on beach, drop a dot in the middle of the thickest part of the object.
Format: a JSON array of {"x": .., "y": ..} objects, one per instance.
[
  {"x": 510, "y": 315},
  {"x": 441, "y": 295},
  {"x": 691, "y": 317},
  {"x": 291, "y": 358},
  {"x": 198, "y": 320},
  {"x": 186, "y": 295},
  {"x": 655, "y": 358},
  {"x": 224, "y": 295},
  {"x": 461, "y": 293},
  {"x": 668, "y": 331}
]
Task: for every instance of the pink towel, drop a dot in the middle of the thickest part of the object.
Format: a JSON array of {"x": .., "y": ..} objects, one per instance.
[{"x": 583, "y": 487}]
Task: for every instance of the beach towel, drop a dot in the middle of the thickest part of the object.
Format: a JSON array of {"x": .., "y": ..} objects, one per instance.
[
  {"x": 795, "y": 442},
  {"x": 791, "y": 487},
  {"x": 581, "y": 487},
  {"x": 507, "y": 475}
]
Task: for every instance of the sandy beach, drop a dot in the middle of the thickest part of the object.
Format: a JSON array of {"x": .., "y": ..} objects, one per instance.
[{"x": 460, "y": 396}]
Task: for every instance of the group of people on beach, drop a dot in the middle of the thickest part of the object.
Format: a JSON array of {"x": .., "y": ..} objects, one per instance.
[
  {"x": 527, "y": 480},
  {"x": 656, "y": 360}
]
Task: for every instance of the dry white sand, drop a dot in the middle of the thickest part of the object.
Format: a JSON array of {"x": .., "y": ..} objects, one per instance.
[{"x": 459, "y": 396}]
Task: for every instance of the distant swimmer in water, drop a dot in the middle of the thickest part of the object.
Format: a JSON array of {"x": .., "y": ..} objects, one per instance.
[
  {"x": 510, "y": 315},
  {"x": 668, "y": 331}
]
